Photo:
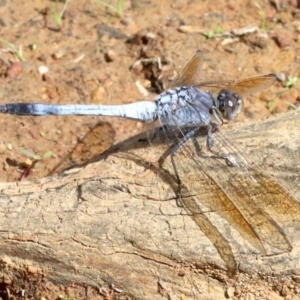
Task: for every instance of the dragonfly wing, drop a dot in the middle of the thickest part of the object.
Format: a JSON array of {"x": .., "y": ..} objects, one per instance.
[
  {"x": 238, "y": 191},
  {"x": 263, "y": 202},
  {"x": 201, "y": 196},
  {"x": 190, "y": 74},
  {"x": 242, "y": 87}
]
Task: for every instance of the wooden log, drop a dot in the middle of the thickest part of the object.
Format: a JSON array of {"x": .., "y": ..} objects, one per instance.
[{"x": 115, "y": 219}]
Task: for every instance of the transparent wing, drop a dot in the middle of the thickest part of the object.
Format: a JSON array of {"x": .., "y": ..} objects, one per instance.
[
  {"x": 250, "y": 201},
  {"x": 191, "y": 73},
  {"x": 242, "y": 87}
]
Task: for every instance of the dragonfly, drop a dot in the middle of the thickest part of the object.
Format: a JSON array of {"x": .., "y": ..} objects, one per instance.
[
  {"x": 184, "y": 105},
  {"x": 226, "y": 184}
]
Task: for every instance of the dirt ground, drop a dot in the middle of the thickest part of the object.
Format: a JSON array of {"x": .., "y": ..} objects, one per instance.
[{"x": 94, "y": 55}]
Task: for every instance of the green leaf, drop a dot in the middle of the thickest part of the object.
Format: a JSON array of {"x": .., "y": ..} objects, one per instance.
[
  {"x": 291, "y": 81},
  {"x": 219, "y": 30},
  {"x": 293, "y": 106},
  {"x": 30, "y": 154},
  {"x": 8, "y": 145},
  {"x": 47, "y": 154},
  {"x": 271, "y": 105},
  {"x": 209, "y": 34}
]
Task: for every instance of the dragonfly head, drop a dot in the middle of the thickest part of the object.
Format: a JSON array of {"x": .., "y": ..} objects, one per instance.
[{"x": 229, "y": 104}]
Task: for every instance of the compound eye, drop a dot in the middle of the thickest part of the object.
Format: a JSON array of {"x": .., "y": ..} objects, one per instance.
[
  {"x": 222, "y": 99},
  {"x": 230, "y": 105}
]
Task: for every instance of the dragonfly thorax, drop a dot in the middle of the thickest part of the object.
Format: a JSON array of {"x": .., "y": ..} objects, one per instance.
[{"x": 184, "y": 106}]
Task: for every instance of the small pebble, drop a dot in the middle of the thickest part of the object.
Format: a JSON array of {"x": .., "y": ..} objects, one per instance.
[
  {"x": 43, "y": 70},
  {"x": 98, "y": 95},
  {"x": 244, "y": 30},
  {"x": 14, "y": 70},
  {"x": 59, "y": 54},
  {"x": 32, "y": 270},
  {"x": 230, "y": 292},
  {"x": 151, "y": 36},
  {"x": 49, "y": 79},
  {"x": 110, "y": 56},
  {"x": 283, "y": 39},
  {"x": 189, "y": 29},
  {"x": 2, "y": 148},
  {"x": 228, "y": 41},
  {"x": 281, "y": 77}
]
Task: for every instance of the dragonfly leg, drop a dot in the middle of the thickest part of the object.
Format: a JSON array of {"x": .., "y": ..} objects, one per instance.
[
  {"x": 230, "y": 160},
  {"x": 180, "y": 144}
]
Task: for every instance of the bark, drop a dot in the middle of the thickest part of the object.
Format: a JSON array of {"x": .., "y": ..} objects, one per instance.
[{"x": 118, "y": 219}]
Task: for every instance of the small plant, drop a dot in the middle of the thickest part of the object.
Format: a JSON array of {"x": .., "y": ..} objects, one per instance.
[
  {"x": 118, "y": 8},
  {"x": 293, "y": 106},
  {"x": 14, "y": 49},
  {"x": 212, "y": 34},
  {"x": 262, "y": 15},
  {"x": 56, "y": 15},
  {"x": 291, "y": 81},
  {"x": 33, "y": 159},
  {"x": 271, "y": 104},
  {"x": 34, "y": 156},
  {"x": 219, "y": 30}
]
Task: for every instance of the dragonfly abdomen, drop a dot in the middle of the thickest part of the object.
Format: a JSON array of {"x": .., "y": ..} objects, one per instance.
[{"x": 145, "y": 111}]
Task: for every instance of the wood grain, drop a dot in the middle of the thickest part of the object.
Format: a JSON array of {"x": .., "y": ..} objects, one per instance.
[{"x": 115, "y": 220}]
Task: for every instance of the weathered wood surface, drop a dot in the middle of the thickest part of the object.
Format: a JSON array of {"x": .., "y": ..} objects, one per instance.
[{"x": 115, "y": 220}]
